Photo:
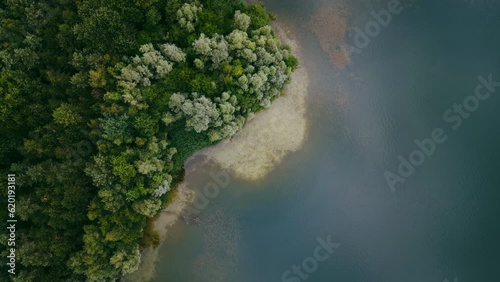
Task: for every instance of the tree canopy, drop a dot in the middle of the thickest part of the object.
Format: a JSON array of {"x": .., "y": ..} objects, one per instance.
[{"x": 101, "y": 102}]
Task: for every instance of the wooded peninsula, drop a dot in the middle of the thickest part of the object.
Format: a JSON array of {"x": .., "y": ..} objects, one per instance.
[{"x": 101, "y": 103}]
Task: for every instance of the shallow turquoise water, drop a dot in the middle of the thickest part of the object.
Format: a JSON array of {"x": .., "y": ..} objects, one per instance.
[{"x": 440, "y": 224}]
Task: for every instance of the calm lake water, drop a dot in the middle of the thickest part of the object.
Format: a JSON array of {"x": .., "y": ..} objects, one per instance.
[{"x": 441, "y": 223}]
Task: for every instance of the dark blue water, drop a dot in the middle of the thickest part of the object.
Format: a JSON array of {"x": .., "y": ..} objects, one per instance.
[{"x": 441, "y": 223}]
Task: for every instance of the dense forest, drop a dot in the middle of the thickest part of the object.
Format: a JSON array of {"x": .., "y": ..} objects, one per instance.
[{"x": 101, "y": 103}]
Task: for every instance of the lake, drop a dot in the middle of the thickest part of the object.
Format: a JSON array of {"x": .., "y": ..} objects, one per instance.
[{"x": 418, "y": 74}]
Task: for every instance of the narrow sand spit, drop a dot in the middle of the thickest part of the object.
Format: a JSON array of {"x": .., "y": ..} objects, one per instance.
[
  {"x": 167, "y": 217},
  {"x": 273, "y": 133}
]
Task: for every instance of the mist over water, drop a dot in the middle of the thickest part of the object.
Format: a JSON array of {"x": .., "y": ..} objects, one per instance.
[{"x": 439, "y": 224}]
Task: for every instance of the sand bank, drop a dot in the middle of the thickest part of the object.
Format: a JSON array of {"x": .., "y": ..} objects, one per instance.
[{"x": 330, "y": 25}]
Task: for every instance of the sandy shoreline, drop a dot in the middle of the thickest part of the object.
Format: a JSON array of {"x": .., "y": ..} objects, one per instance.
[
  {"x": 273, "y": 133},
  {"x": 262, "y": 144},
  {"x": 164, "y": 220}
]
